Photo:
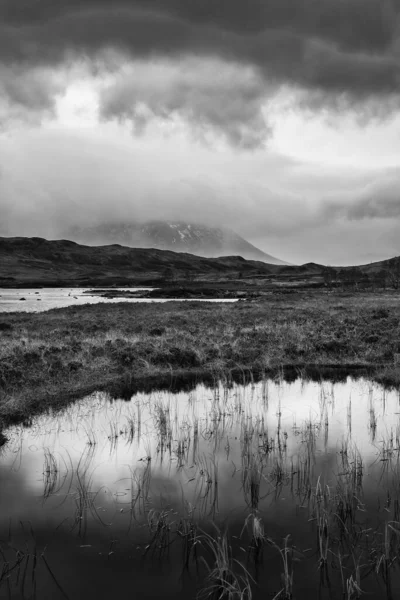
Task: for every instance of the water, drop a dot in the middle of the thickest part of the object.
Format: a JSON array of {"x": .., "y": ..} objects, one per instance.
[
  {"x": 47, "y": 298},
  {"x": 112, "y": 497}
]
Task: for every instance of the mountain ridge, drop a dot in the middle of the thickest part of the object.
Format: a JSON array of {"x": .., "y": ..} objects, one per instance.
[
  {"x": 62, "y": 261},
  {"x": 38, "y": 261},
  {"x": 178, "y": 236}
]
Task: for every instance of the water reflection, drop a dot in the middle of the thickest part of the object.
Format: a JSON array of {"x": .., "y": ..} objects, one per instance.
[{"x": 287, "y": 490}]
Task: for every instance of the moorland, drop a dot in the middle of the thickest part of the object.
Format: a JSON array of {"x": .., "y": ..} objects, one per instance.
[
  {"x": 48, "y": 358},
  {"x": 36, "y": 262},
  {"x": 308, "y": 322},
  {"x": 292, "y": 319}
]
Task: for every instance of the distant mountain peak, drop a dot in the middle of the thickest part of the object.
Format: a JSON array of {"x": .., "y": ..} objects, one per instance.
[{"x": 179, "y": 236}]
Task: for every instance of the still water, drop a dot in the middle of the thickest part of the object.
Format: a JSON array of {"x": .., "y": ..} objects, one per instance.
[
  {"x": 35, "y": 300},
  {"x": 285, "y": 490}
]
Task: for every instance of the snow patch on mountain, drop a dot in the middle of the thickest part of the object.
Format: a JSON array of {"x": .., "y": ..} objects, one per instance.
[{"x": 191, "y": 238}]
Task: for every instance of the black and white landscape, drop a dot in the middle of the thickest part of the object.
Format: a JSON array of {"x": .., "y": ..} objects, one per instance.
[
  {"x": 192, "y": 238},
  {"x": 278, "y": 119},
  {"x": 199, "y": 299}
]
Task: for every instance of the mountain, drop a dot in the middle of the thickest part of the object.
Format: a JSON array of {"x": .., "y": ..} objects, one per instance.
[
  {"x": 25, "y": 261},
  {"x": 177, "y": 236}
]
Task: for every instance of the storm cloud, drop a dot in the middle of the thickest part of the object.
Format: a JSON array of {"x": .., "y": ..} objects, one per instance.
[
  {"x": 26, "y": 94},
  {"x": 296, "y": 104},
  {"x": 340, "y": 54},
  {"x": 210, "y": 99}
]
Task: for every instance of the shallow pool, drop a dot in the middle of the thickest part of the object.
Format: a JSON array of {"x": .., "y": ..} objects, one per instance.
[
  {"x": 287, "y": 490},
  {"x": 34, "y": 300}
]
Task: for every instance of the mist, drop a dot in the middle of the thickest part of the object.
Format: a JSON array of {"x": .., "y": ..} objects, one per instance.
[{"x": 278, "y": 120}]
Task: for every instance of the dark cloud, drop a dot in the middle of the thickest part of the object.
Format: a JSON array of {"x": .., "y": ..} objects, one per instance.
[
  {"x": 26, "y": 93},
  {"x": 342, "y": 46},
  {"x": 359, "y": 24},
  {"x": 336, "y": 54},
  {"x": 211, "y": 98}
]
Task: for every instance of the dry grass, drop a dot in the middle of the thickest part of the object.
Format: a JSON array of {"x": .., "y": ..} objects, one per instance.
[{"x": 47, "y": 357}]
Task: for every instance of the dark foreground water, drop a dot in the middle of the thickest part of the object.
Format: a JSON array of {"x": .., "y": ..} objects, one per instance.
[{"x": 276, "y": 490}]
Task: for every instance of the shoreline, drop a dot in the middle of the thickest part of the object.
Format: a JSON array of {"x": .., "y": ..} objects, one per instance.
[
  {"x": 12, "y": 412},
  {"x": 48, "y": 359}
]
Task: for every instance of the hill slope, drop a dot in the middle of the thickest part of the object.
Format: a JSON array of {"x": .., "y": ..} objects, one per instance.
[
  {"x": 36, "y": 261},
  {"x": 60, "y": 262},
  {"x": 176, "y": 236}
]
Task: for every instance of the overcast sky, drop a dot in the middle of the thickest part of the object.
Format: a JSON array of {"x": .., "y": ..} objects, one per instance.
[{"x": 278, "y": 118}]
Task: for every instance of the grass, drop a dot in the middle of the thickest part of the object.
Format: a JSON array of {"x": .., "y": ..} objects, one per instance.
[
  {"x": 48, "y": 358},
  {"x": 223, "y": 580},
  {"x": 333, "y": 532},
  {"x": 286, "y": 553}
]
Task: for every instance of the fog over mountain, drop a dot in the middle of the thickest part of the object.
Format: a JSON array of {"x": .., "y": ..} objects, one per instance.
[
  {"x": 277, "y": 119},
  {"x": 178, "y": 236}
]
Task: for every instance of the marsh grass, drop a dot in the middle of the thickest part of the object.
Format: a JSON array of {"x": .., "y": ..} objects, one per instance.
[
  {"x": 18, "y": 570},
  {"x": 21, "y": 564},
  {"x": 252, "y": 460},
  {"x": 85, "y": 495},
  {"x": 227, "y": 578},
  {"x": 160, "y": 527},
  {"x": 188, "y": 530},
  {"x": 349, "y": 488},
  {"x": 163, "y": 426},
  {"x": 287, "y": 555},
  {"x": 252, "y": 477},
  {"x": 130, "y": 428},
  {"x": 254, "y": 524},
  {"x": 47, "y": 358},
  {"x": 239, "y": 437},
  {"x": 323, "y": 517},
  {"x": 207, "y": 489},
  {"x": 140, "y": 488},
  {"x": 50, "y": 475}
]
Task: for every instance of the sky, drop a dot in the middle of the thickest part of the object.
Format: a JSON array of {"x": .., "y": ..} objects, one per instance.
[{"x": 277, "y": 118}]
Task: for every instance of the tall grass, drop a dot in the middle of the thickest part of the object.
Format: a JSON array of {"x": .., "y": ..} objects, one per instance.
[
  {"x": 227, "y": 578},
  {"x": 278, "y": 493},
  {"x": 46, "y": 358}
]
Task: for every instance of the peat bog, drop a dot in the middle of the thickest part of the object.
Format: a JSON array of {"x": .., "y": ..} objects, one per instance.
[
  {"x": 246, "y": 475},
  {"x": 48, "y": 357}
]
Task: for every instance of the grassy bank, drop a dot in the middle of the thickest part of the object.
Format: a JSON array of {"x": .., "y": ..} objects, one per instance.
[{"x": 48, "y": 357}]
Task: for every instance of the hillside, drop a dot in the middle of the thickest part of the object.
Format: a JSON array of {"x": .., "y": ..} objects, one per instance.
[
  {"x": 36, "y": 261},
  {"x": 62, "y": 262},
  {"x": 180, "y": 236}
]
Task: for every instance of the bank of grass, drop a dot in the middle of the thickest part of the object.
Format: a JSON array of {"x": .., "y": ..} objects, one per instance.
[{"x": 47, "y": 358}]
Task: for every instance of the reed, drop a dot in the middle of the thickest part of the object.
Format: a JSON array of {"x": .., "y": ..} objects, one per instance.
[
  {"x": 223, "y": 582},
  {"x": 255, "y": 525},
  {"x": 286, "y": 554},
  {"x": 160, "y": 528},
  {"x": 50, "y": 474},
  {"x": 187, "y": 529}
]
